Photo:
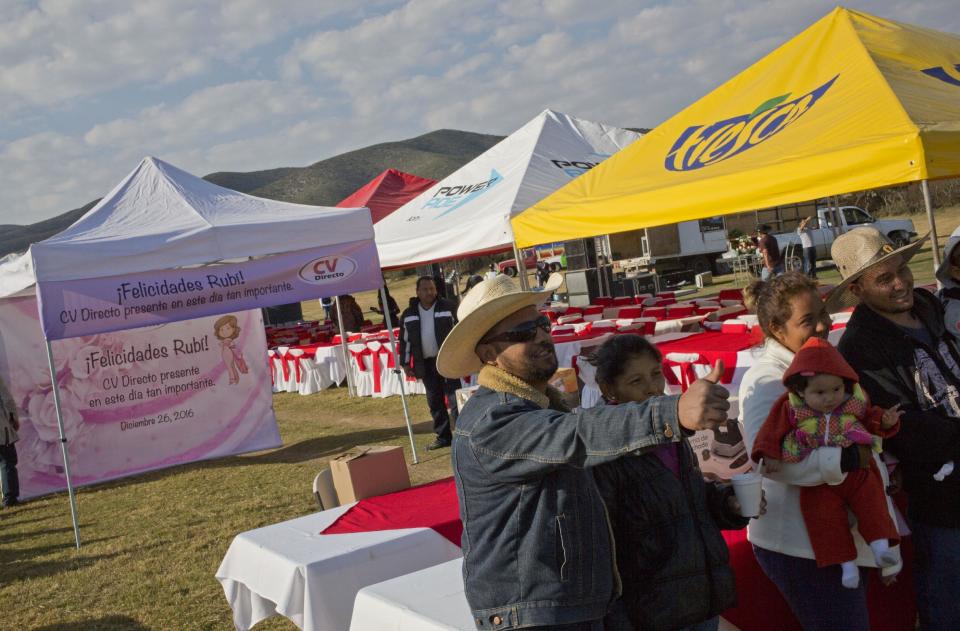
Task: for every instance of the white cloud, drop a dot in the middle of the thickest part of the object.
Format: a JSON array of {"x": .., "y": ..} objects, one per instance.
[
  {"x": 247, "y": 85},
  {"x": 64, "y": 49}
]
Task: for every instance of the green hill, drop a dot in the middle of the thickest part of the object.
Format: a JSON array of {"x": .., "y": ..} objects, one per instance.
[{"x": 434, "y": 155}]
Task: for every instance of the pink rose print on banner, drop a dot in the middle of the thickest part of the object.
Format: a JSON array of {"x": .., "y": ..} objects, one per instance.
[{"x": 43, "y": 414}]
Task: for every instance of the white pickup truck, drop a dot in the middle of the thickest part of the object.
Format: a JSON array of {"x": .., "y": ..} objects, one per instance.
[{"x": 832, "y": 222}]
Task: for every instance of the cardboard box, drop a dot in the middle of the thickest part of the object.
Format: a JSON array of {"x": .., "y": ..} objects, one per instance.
[
  {"x": 365, "y": 471},
  {"x": 463, "y": 394},
  {"x": 565, "y": 380}
]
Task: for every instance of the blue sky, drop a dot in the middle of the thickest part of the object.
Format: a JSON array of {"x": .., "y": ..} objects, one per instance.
[{"x": 89, "y": 87}]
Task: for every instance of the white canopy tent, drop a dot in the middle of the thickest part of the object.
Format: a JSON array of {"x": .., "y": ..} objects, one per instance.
[
  {"x": 16, "y": 275},
  {"x": 165, "y": 245},
  {"x": 469, "y": 211}
]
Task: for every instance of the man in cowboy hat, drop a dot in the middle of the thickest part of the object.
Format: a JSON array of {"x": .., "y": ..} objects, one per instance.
[
  {"x": 537, "y": 546},
  {"x": 897, "y": 342}
]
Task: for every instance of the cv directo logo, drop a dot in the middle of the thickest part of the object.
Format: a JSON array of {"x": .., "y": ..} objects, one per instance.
[
  {"x": 702, "y": 145},
  {"x": 450, "y": 198},
  {"x": 947, "y": 74}
]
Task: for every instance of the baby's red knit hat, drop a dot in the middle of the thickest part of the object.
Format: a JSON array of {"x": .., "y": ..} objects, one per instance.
[{"x": 819, "y": 356}]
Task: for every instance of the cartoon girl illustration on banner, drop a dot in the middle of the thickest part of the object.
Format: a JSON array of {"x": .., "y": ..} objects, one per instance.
[{"x": 227, "y": 331}]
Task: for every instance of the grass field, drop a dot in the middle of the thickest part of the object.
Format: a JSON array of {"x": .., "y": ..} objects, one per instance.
[{"x": 153, "y": 543}]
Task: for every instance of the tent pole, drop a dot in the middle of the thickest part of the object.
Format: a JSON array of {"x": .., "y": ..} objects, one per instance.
[
  {"x": 838, "y": 228},
  {"x": 398, "y": 370},
  {"x": 933, "y": 225},
  {"x": 351, "y": 388},
  {"x": 598, "y": 255},
  {"x": 521, "y": 268},
  {"x": 63, "y": 443}
]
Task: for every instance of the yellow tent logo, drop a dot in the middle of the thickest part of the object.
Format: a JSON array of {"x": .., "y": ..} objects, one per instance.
[
  {"x": 702, "y": 145},
  {"x": 947, "y": 74}
]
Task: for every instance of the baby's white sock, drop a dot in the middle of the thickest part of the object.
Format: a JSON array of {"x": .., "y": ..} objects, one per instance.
[
  {"x": 884, "y": 556},
  {"x": 944, "y": 471},
  {"x": 851, "y": 575}
]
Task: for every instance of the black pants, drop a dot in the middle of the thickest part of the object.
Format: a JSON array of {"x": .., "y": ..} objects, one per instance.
[
  {"x": 9, "y": 480},
  {"x": 439, "y": 387},
  {"x": 810, "y": 262}
]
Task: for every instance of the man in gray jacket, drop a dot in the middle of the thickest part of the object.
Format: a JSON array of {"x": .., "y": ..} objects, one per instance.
[
  {"x": 537, "y": 545},
  {"x": 9, "y": 424}
]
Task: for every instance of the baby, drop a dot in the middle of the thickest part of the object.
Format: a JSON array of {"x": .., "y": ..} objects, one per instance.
[{"x": 824, "y": 406}]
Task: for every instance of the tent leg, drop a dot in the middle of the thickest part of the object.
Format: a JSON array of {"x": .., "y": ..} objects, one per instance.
[
  {"x": 933, "y": 225},
  {"x": 601, "y": 277},
  {"x": 521, "y": 268},
  {"x": 63, "y": 444},
  {"x": 351, "y": 388},
  {"x": 399, "y": 372}
]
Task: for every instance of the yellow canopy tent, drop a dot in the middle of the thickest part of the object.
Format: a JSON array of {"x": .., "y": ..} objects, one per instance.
[{"x": 852, "y": 103}]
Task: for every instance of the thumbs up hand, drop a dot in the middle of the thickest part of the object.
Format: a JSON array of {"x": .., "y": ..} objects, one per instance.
[
  {"x": 704, "y": 405},
  {"x": 715, "y": 373}
]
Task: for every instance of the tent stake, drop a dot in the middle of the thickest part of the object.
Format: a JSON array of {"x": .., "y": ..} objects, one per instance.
[
  {"x": 933, "y": 226},
  {"x": 398, "y": 370},
  {"x": 351, "y": 388},
  {"x": 63, "y": 443}
]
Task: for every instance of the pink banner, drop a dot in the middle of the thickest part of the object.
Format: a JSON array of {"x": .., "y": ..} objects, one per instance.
[
  {"x": 113, "y": 303},
  {"x": 136, "y": 400}
]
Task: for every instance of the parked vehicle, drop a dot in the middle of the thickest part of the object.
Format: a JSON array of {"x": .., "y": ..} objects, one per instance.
[
  {"x": 691, "y": 246},
  {"x": 552, "y": 254},
  {"x": 831, "y": 223}
]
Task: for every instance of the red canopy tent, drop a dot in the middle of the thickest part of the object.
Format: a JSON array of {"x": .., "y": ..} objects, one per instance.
[{"x": 387, "y": 192}]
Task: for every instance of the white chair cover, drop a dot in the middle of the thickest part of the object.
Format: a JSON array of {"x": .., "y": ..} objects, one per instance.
[
  {"x": 288, "y": 377},
  {"x": 361, "y": 367},
  {"x": 314, "y": 377},
  {"x": 276, "y": 370}
]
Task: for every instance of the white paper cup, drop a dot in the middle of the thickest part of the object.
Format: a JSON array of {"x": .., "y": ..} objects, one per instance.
[{"x": 748, "y": 487}]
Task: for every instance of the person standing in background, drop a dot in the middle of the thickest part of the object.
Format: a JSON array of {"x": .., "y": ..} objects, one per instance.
[
  {"x": 770, "y": 250},
  {"x": 9, "y": 424},
  {"x": 809, "y": 260},
  {"x": 424, "y": 325},
  {"x": 392, "y": 308},
  {"x": 352, "y": 314},
  {"x": 327, "y": 304}
]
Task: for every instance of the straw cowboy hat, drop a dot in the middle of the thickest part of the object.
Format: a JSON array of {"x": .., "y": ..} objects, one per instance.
[
  {"x": 482, "y": 308},
  {"x": 855, "y": 253}
]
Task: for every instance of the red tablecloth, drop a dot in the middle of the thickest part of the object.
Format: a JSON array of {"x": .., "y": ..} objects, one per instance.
[
  {"x": 435, "y": 506},
  {"x": 432, "y": 505},
  {"x": 711, "y": 346}
]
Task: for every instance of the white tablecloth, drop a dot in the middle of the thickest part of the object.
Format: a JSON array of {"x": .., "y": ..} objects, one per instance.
[
  {"x": 292, "y": 570},
  {"x": 428, "y": 600}
]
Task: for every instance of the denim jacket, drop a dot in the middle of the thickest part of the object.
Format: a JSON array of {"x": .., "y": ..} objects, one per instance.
[{"x": 537, "y": 544}]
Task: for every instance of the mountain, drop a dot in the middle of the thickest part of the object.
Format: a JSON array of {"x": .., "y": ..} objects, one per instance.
[
  {"x": 434, "y": 155},
  {"x": 15, "y": 238}
]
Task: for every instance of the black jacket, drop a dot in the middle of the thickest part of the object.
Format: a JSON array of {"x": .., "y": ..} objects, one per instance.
[
  {"x": 444, "y": 317},
  {"x": 672, "y": 559},
  {"x": 895, "y": 368}
]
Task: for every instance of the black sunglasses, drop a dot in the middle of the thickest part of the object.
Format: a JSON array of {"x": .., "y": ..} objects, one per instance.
[{"x": 523, "y": 332}]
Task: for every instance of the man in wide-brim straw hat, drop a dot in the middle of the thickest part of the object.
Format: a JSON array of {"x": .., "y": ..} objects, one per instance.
[
  {"x": 536, "y": 543},
  {"x": 897, "y": 342}
]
